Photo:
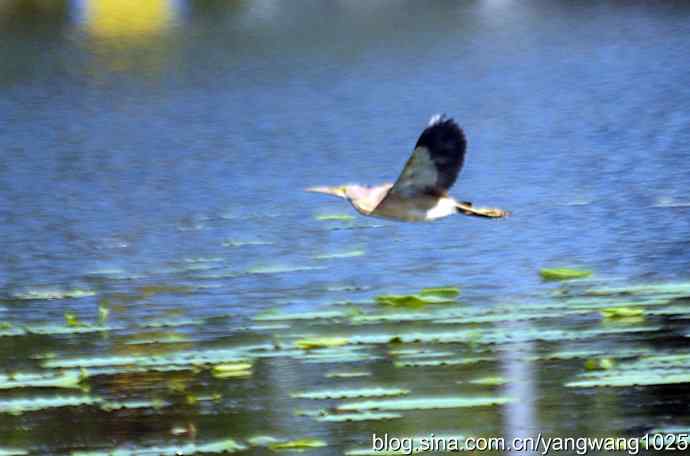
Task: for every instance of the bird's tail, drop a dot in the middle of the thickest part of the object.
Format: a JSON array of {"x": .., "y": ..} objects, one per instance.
[{"x": 466, "y": 208}]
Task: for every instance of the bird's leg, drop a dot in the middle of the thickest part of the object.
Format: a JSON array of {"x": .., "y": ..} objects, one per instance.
[{"x": 490, "y": 212}]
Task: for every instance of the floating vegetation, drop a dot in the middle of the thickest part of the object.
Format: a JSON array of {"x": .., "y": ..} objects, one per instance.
[
  {"x": 70, "y": 379},
  {"x": 650, "y": 370},
  {"x": 335, "y": 217},
  {"x": 298, "y": 444},
  {"x": 342, "y": 354},
  {"x": 673, "y": 289},
  {"x": 180, "y": 358},
  {"x": 331, "y": 256},
  {"x": 52, "y": 293},
  {"x": 157, "y": 338},
  {"x": 20, "y": 405},
  {"x": 171, "y": 323},
  {"x": 232, "y": 370},
  {"x": 352, "y": 393},
  {"x": 364, "y": 416},
  {"x": 599, "y": 364},
  {"x": 134, "y": 404},
  {"x": 277, "y": 316},
  {"x": 413, "y": 301},
  {"x": 489, "y": 381},
  {"x": 321, "y": 342},
  {"x": 441, "y": 292},
  {"x": 351, "y": 374},
  {"x": 71, "y": 319},
  {"x": 219, "y": 446},
  {"x": 424, "y": 403},
  {"x": 623, "y": 313},
  {"x": 563, "y": 273},
  {"x": 443, "y": 362},
  {"x": 75, "y": 328}
]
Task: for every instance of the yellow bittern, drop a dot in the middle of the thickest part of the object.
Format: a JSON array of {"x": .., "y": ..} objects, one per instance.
[{"x": 421, "y": 191}]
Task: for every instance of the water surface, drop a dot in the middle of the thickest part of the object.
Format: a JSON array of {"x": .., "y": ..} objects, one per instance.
[{"x": 152, "y": 161}]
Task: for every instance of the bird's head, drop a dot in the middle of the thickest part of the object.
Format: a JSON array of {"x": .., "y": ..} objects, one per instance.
[{"x": 348, "y": 192}]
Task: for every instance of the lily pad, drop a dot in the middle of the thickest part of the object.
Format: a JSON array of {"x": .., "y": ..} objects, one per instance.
[
  {"x": 489, "y": 381},
  {"x": 365, "y": 416},
  {"x": 298, "y": 444},
  {"x": 412, "y": 301},
  {"x": 351, "y": 374},
  {"x": 323, "y": 314},
  {"x": 352, "y": 393},
  {"x": 21, "y": 405},
  {"x": 70, "y": 379},
  {"x": 563, "y": 273},
  {"x": 321, "y": 342},
  {"x": 599, "y": 364},
  {"x": 134, "y": 404},
  {"x": 335, "y": 217},
  {"x": 441, "y": 292},
  {"x": 622, "y": 312},
  {"x": 424, "y": 403},
  {"x": 232, "y": 370}
]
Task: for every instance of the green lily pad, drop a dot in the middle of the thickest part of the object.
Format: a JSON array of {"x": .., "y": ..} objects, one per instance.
[
  {"x": 441, "y": 292},
  {"x": 489, "y": 381},
  {"x": 134, "y": 404},
  {"x": 220, "y": 446},
  {"x": 412, "y": 301},
  {"x": 365, "y": 416},
  {"x": 335, "y": 217},
  {"x": 232, "y": 370},
  {"x": 20, "y": 405},
  {"x": 563, "y": 273},
  {"x": 298, "y": 444},
  {"x": 651, "y": 370},
  {"x": 323, "y": 314},
  {"x": 423, "y": 403},
  {"x": 352, "y": 393},
  {"x": 321, "y": 342},
  {"x": 622, "y": 312},
  {"x": 623, "y": 379},
  {"x": 352, "y": 374},
  {"x": 443, "y": 362},
  {"x": 70, "y": 379},
  {"x": 599, "y": 364}
]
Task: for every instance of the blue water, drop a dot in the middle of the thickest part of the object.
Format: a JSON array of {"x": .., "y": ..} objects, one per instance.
[{"x": 124, "y": 159}]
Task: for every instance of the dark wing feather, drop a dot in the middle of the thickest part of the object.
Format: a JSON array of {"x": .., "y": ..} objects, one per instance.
[{"x": 435, "y": 162}]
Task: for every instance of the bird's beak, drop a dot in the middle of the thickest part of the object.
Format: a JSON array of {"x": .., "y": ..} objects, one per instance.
[{"x": 335, "y": 191}]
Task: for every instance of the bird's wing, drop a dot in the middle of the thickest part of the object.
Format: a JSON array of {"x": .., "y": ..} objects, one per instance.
[{"x": 435, "y": 162}]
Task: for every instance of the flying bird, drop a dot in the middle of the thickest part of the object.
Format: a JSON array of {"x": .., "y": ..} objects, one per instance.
[{"x": 421, "y": 191}]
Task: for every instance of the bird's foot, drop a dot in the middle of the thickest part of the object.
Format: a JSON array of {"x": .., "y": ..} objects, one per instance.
[{"x": 489, "y": 212}]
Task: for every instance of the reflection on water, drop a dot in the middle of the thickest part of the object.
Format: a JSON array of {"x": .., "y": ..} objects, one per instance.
[
  {"x": 124, "y": 20},
  {"x": 161, "y": 268}
]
